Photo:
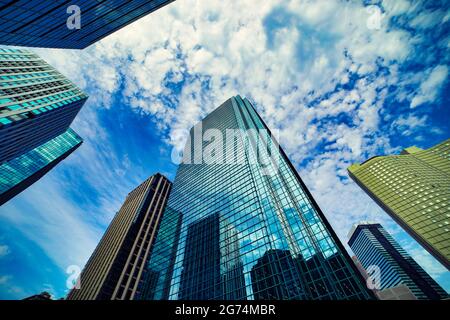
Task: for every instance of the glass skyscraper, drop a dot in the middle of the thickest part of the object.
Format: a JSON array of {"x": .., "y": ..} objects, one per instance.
[
  {"x": 37, "y": 103},
  {"x": 43, "y": 23},
  {"x": 241, "y": 224},
  {"x": 21, "y": 172},
  {"x": 414, "y": 189},
  {"x": 117, "y": 266},
  {"x": 375, "y": 247},
  {"x": 37, "y": 106}
]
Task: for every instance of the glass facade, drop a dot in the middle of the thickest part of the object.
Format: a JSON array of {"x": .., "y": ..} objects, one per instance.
[
  {"x": 213, "y": 262},
  {"x": 43, "y": 23},
  {"x": 37, "y": 103},
  {"x": 246, "y": 229},
  {"x": 374, "y": 246},
  {"x": 414, "y": 189},
  {"x": 276, "y": 275},
  {"x": 22, "y": 171},
  {"x": 157, "y": 278}
]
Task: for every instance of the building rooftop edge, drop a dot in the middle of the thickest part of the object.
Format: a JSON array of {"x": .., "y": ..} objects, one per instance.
[
  {"x": 407, "y": 151},
  {"x": 230, "y": 98},
  {"x": 151, "y": 176},
  {"x": 356, "y": 225}
]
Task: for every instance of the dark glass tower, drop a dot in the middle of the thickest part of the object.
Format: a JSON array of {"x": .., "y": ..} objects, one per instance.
[
  {"x": 373, "y": 246},
  {"x": 43, "y": 23},
  {"x": 240, "y": 214},
  {"x": 37, "y": 103},
  {"x": 21, "y": 172},
  {"x": 116, "y": 268}
]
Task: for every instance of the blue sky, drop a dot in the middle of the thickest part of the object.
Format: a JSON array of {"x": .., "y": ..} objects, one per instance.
[{"x": 342, "y": 81}]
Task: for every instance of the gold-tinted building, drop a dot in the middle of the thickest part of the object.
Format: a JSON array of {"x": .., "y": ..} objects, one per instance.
[
  {"x": 117, "y": 266},
  {"x": 414, "y": 189}
]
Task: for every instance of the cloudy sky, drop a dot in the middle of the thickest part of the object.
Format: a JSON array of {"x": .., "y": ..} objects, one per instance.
[{"x": 342, "y": 80}]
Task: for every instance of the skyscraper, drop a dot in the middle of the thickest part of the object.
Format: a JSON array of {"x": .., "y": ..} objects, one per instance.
[
  {"x": 375, "y": 248},
  {"x": 414, "y": 189},
  {"x": 21, "y": 172},
  {"x": 116, "y": 267},
  {"x": 248, "y": 195},
  {"x": 53, "y": 24},
  {"x": 37, "y": 106},
  {"x": 37, "y": 103}
]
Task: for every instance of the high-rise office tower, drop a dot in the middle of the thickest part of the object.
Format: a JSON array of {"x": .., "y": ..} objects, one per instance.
[
  {"x": 381, "y": 256},
  {"x": 116, "y": 268},
  {"x": 68, "y": 24},
  {"x": 37, "y": 106},
  {"x": 37, "y": 103},
  {"x": 21, "y": 172},
  {"x": 238, "y": 205},
  {"x": 414, "y": 189}
]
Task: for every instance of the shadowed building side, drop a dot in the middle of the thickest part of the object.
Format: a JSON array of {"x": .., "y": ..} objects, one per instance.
[{"x": 115, "y": 269}]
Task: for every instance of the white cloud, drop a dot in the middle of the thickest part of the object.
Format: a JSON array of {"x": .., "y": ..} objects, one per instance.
[
  {"x": 4, "y": 250},
  {"x": 231, "y": 51},
  {"x": 341, "y": 200},
  {"x": 430, "y": 88},
  {"x": 407, "y": 125},
  {"x": 396, "y": 7},
  {"x": 5, "y": 279},
  {"x": 7, "y": 286},
  {"x": 429, "y": 19}
]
